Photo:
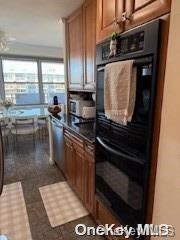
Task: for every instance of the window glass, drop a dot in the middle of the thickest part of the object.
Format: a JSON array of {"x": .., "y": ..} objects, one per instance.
[
  {"x": 20, "y": 71},
  {"x": 23, "y": 93},
  {"x": 53, "y": 81},
  {"x": 52, "y": 72},
  {"x": 22, "y": 83}
]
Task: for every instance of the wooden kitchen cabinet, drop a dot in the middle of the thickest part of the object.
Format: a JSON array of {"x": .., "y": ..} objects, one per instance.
[
  {"x": 89, "y": 35},
  {"x": 81, "y": 45},
  {"x": 109, "y": 18},
  {"x": 122, "y": 15},
  {"x": 80, "y": 168},
  {"x": 79, "y": 162},
  {"x": 69, "y": 161},
  {"x": 141, "y": 11},
  {"x": 89, "y": 178},
  {"x": 74, "y": 39}
]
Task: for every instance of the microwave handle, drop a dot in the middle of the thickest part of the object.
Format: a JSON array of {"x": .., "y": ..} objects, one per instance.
[{"x": 116, "y": 152}]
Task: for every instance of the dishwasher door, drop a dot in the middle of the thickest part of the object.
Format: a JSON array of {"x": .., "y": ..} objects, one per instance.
[{"x": 58, "y": 144}]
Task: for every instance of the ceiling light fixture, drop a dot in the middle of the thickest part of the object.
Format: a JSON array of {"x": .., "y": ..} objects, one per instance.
[{"x": 4, "y": 41}]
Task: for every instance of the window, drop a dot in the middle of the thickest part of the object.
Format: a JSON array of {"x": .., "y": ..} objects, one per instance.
[
  {"x": 53, "y": 81},
  {"x": 32, "y": 81},
  {"x": 21, "y": 81}
]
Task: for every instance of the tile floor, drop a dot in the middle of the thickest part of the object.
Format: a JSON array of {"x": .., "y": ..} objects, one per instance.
[{"x": 29, "y": 164}]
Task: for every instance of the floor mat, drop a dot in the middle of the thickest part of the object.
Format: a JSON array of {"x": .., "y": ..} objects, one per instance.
[
  {"x": 14, "y": 221},
  {"x": 61, "y": 204}
]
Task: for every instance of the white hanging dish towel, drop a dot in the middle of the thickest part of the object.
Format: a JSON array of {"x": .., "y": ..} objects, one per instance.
[{"x": 120, "y": 91}]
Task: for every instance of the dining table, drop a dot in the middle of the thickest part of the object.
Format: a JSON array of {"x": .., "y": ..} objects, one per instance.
[
  {"x": 9, "y": 116},
  {"x": 24, "y": 112}
]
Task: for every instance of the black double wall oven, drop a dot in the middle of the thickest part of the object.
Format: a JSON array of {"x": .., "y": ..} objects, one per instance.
[{"x": 123, "y": 153}]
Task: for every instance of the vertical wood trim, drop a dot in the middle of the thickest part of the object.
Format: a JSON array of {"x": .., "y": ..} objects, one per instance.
[
  {"x": 157, "y": 113},
  {"x": 66, "y": 61}
]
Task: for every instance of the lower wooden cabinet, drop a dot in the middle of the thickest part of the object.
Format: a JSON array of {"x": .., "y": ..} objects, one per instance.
[
  {"x": 69, "y": 163},
  {"x": 80, "y": 168},
  {"x": 89, "y": 178},
  {"x": 79, "y": 163}
]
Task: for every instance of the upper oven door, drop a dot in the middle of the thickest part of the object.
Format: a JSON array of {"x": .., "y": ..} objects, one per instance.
[
  {"x": 143, "y": 93},
  {"x": 135, "y": 134}
]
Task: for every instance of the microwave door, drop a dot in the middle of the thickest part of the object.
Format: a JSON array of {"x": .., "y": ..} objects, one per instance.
[{"x": 1, "y": 163}]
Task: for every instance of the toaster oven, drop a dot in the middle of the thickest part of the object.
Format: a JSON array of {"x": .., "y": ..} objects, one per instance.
[{"x": 76, "y": 106}]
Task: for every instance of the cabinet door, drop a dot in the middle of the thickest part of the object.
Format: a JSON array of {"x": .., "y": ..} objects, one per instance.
[
  {"x": 75, "y": 50},
  {"x": 109, "y": 18},
  {"x": 89, "y": 29},
  {"x": 79, "y": 173},
  {"x": 69, "y": 163},
  {"x": 89, "y": 187},
  {"x": 141, "y": 11}
]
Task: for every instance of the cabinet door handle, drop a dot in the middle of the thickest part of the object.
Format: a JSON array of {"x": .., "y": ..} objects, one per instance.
[{"x": 125, "y": 17}]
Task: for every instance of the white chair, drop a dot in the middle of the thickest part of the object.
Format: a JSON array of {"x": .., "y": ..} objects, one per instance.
[{"x": 24, "y": 126}]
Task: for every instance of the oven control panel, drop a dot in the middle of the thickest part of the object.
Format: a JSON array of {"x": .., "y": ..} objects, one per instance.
[{"x": 125, "y": 45}]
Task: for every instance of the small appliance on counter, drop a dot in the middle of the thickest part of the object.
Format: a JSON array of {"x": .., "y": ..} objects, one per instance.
[
  {"x": 89, "y": 112},
  {"x": 76, "y": 106}
]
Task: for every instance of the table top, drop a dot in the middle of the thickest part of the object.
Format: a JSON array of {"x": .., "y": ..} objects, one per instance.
[{"x": 39, "y": 111}]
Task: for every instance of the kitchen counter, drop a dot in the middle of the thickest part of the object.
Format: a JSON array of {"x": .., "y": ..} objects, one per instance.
[{"x": 86, "y": 131}]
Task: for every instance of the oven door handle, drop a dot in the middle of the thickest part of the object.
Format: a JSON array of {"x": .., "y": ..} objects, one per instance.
[{"x": 118, "y": 153}]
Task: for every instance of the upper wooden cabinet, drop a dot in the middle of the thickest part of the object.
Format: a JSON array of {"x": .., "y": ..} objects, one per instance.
[
  {"x": 74, "y": 39},
  {"x": 89, "y": 35},
  {"x": 121, "y": 15},
  {"x": 141, "y": 11},
  {"x": 109, "y": 18},
  {"x": 81, "y": 43}
]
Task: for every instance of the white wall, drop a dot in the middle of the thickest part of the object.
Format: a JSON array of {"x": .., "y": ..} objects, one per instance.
[
  {"x": 167, "y": 192},
  {"x": 34, "y": 50}
]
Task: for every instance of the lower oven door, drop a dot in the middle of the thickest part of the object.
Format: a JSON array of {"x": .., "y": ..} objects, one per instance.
[{"x": 119, "y": 182}]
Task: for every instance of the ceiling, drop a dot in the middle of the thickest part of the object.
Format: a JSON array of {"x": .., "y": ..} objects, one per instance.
[{"x": 36, "y": 22}]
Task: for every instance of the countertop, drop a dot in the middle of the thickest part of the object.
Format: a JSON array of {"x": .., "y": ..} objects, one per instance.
[{"x": 86, "y": 131}]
